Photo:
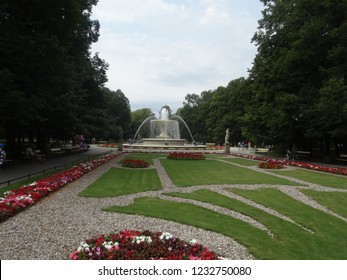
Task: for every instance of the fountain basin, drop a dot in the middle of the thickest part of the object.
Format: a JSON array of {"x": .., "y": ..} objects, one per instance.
[{"x": 163, "y": 142}]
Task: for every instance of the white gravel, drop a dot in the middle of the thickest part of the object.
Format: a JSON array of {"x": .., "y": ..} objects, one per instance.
[{"x": 56, "y": 225}]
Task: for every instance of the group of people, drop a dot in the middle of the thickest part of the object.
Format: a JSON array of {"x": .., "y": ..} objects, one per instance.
[
  {"x": 243, "y": 145},
  {"x": 292, "y": 154},
  {"x": 33, "y": 155},
  {"x": 79, "y": 141}
]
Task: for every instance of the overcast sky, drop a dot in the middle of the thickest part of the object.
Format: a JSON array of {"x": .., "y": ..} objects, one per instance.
[{"x": 161, "y": 50}]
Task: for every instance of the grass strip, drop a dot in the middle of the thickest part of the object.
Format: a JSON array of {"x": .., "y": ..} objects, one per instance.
[
  {"x": 118, "y": 181},
  {"x": 290, "y": 242},
  {"x": 206, "y": 172},
  {"x": 323, "y": 179},
  {"x": 335, "y": 201},
  {"x": 330, "y": 232},
  {"x": 242, "y": 161}
]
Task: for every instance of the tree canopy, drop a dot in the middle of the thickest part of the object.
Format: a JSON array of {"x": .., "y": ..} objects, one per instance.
[
  {"x": 51, "y": 85},
  {"x": 296, "y": 91}
]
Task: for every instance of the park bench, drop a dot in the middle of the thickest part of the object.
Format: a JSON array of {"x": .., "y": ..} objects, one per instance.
[
  {"x": 25, "y": 156},
  {"x": 304, "y": 154},
  {"x": 56, "y": 151},
  {"x": 261, "y": 150},
  {"x": 342, "y": 157},
  {"x": 210, "y": 145},
  {"x": 71, "y": 148}
]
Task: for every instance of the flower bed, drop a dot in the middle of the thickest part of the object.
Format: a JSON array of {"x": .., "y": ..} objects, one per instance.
[
  {"x": 270, "y": 165},
  {"x": 135, "y": 163},
  {"x": 109, "y": 145},
  {"x": 312, "y": 166},
  {"x": 15, "y": 200},
  {"x": 136, "y": 245},
  {"x": 188, "y": 156}
]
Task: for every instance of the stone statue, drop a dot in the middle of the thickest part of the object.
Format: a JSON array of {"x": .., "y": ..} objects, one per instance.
[{"x": 227, "y": 136}]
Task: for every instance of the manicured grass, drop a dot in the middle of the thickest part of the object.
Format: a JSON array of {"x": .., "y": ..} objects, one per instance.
[
  {"x": 215, "y": 156},
  {"x": 325, "y": 239},
  {"x": 335, "y": 201},
  {"x": 189, "y": 214},
  {"x": 119, "y": 181},
  {"x": 206, "y": 172},
  {"x": 143, "y": 156},
  {"x": 289, "y": 242},
  {"x": 242, "y": 161},
  {"x": 328, "y": 180},
  {"x": 330, "y": 232}
]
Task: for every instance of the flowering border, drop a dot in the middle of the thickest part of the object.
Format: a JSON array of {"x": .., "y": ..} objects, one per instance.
[
  {"x": 19, "y": 199},
  {"x": 312, "y": 166},
  {"x": 135, "y": 163},
  {"x": 185, "y": 156},
  {"x": 271, "y": 165},
  {"x": 145, "y": 245}
]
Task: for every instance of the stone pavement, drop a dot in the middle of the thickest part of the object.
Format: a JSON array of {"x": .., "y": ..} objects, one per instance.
[{"x": 21, "y": 169}]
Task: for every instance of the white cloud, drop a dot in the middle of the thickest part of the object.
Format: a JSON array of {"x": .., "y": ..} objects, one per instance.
[{"x": 160, "y": 50}]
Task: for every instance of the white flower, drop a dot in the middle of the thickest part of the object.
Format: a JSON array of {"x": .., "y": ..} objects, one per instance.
[
  {"x": 33, "y": 184},
  {"x": 83, "y": 246},
  {"x": 143, "y": 238},
  {"x": 193, "y": 242},
  {"x": 166, "y": 236},
  {"x": 108, "y": 245}
]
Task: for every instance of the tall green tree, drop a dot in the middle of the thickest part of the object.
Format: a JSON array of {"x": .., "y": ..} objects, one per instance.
[
  {"x": 137, "y": 119},
  {"x": 49, "y": 81},
  {"x": 299, "y": 43}
]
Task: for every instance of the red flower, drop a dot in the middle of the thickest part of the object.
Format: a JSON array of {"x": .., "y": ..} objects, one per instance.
[
  {"x": 185, "y": 156},
  {"x": 19, "y": 199}
]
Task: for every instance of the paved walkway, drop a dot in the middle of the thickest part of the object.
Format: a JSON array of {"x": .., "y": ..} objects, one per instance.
[{"x": 22, "y": 169}]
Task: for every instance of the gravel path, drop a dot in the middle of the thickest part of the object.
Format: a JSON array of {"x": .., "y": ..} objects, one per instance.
[{"x": 56, "y": 225}]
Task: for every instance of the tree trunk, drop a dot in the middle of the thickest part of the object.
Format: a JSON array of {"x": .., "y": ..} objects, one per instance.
[{"x": 327, "y": 154}]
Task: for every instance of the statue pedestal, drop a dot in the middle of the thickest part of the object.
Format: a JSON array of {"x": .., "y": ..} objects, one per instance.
[{"x": 227, "y": 149}]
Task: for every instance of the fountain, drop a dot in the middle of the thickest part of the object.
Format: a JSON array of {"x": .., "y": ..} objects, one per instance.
[{"x": 164, "y": 132}]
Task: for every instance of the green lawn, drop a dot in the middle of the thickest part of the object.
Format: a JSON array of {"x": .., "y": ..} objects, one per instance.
[
  {"x": 314, "y": 235},
  {"x": 295, "y": 242},
  {"x": 328, "y": 180},
  {"x": 214, "y": 156},
  {"x": 206, "y": 172},
  {"x": 242, "y": 161},
  {"x": 329, "y": 241},
  {"x": 119, "y": 181},
  {"x": 335, "y": 201}
]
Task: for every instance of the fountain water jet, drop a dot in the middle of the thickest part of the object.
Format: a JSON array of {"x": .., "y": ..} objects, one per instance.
[{"x": 164, "y": 131}]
